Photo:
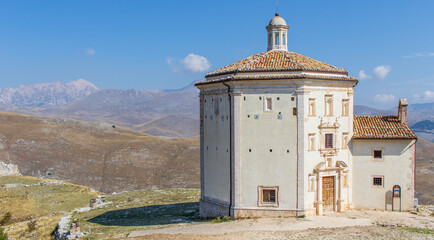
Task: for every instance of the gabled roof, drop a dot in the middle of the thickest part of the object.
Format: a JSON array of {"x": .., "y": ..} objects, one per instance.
[
  {"x": 381, "y": 127},
  {"x": 277, "y": 61}
]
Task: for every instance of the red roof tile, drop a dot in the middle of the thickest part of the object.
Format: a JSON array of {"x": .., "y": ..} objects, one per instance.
[
  {"x": 277, "y": 61},
  {"x": 381, "y": 127}
]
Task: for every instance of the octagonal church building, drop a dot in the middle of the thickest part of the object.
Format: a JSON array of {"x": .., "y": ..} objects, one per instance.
[{"x": 278, "y": 138}]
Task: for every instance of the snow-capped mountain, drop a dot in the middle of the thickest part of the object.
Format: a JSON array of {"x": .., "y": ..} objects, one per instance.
[{"x": 46, "y": 94}]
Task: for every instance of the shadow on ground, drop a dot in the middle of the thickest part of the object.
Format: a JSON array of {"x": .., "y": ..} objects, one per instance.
[{"x": 150, "y": 215}]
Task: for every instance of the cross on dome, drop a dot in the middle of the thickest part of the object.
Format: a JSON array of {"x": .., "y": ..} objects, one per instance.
[{"x": 277, "y": 34}]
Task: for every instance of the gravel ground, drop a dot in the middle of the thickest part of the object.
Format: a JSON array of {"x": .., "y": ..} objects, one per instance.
[{"x": 349, "y": 225}]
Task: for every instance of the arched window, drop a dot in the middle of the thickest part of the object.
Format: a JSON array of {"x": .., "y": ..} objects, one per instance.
[
  {"x": 269, "y": 39},
  {"x": 312, "y": 111},
  {"x": 277, "y": 38},
  {"x": 283, "y": 39},
  {"x": 329, "y": 105},
  {"x": 345, "y": 107}
]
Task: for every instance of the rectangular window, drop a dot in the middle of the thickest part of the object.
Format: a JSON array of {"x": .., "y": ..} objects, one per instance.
[
  {"x": 268, "y": 104},
  {"x": 268, "y": 196},
  {"x": 377, "y": 181},
  {"x": 328, "y": 140},
  {"x": 329, "y": 162},
  {"x": 345, "y": 180},
  {"x": 311, "y": 142},
  {"x": 378, "y": 154}
]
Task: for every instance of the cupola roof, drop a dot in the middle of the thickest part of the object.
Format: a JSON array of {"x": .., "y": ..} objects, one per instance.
[{"x": 277, "y": 21}]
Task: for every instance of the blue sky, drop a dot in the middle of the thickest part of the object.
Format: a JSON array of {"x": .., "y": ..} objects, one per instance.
[{"x": 169, "y": 44}]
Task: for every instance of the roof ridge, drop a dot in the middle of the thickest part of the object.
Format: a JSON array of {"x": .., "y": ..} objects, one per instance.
[{"x": 277, "y": 60}]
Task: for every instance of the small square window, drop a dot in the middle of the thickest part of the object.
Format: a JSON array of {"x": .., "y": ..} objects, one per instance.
[
  {"x": 377, "y": 181},
  {"x": 378, "y": 154},
  {"x": 268, "y": 196}
]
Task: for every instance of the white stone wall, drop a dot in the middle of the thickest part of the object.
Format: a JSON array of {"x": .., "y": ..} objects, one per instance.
[
  {"x": 268, "y": 149},
  {"x": 216, "y": 143},
  {"x": 397, "y": 168}
]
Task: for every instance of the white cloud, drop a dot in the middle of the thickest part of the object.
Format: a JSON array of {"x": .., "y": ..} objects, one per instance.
[
  {"x": 363, "y": 75},
  {"x": 196, "y": 63},
  {"x": 169, "y": 60},
  {"x": 427, "y": 96},
  {"x": 90, "y": 51},
  {"x": 415, "y": 55},
  {"x": 384, "y": 98},
  {"x": 382, "y": 71}
]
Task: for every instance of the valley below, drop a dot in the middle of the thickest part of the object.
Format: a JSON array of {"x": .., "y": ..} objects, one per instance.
[{"x": 98, "y": 155}]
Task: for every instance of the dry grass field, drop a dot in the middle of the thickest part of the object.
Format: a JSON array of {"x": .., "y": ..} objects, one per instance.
[{"x": 44, "y": 201}]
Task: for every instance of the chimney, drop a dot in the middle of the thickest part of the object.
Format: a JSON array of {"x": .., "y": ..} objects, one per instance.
[{"x": 402, "y": 110}]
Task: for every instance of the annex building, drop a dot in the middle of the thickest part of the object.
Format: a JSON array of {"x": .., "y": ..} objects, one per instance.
[{"x": 278, "y": 137}]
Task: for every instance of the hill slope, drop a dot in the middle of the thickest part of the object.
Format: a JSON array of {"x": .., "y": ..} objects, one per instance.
[{"x": 96, "y": 154}]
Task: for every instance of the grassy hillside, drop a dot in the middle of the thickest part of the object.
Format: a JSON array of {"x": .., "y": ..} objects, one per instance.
[
  {"x": 42, "y": 200},
  {"x": 96, "y": 154},
  {"x": 425, "y": 171},
  {"x": 136, "y": 210}
]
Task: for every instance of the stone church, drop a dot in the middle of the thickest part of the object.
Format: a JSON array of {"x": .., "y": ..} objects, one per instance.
[{"x": 278, "y": 138}]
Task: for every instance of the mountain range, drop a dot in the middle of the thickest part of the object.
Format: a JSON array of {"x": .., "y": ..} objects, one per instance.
[
  {"x": 170, "y": 113},
  {"x": 46, "y": 94},
  {"x": 163, "y": 113}
]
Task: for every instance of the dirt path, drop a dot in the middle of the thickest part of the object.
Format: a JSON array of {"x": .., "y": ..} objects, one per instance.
[{"x": 351, "y": 222}]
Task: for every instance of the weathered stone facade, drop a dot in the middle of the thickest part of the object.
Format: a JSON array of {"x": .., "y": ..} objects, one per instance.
[{"x": 276, "y": 139}]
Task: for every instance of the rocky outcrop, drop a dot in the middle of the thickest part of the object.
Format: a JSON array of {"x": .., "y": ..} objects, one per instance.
[{"x": 9, "y": 169}]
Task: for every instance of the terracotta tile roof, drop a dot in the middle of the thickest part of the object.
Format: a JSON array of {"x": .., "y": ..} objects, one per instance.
[
  {"x": 381, "y": 127},
  {"x": 277, "y": 61},
  {"x": 274, "y": 77}
]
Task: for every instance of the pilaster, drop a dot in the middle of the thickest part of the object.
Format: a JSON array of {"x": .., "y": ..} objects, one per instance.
[
  {"x": 302, "y": 104},
  {"x": 235, "y": 152},
  {"x": 202, "y": 145},
  {"x": 350, "y": 155}
]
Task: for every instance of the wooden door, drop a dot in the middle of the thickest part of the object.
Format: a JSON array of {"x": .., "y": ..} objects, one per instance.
[{"x": 328, "y": 192}]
